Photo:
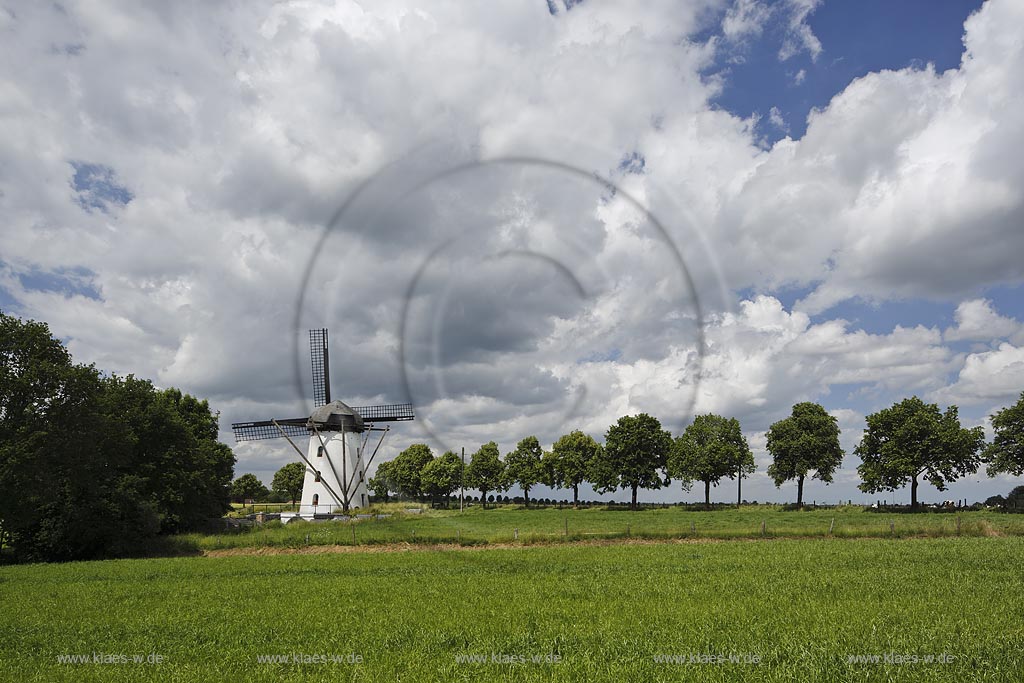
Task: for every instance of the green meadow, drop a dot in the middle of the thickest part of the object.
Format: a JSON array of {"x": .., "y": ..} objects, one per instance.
[
  {"x": 514, "y": 524},
  {"x": 872, "y": 609}
]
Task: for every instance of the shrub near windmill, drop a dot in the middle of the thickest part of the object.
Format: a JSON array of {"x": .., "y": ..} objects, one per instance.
[{"x": 338, "y": 437}]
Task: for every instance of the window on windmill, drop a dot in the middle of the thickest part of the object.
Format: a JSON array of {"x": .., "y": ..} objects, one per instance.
[
  {"x": 320, "y": 451},
  {"x": 317, "y": 475},
  {"x": 316, "y": 497}
]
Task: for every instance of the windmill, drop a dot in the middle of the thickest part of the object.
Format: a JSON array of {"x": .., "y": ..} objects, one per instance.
[{"x": 338, "y": 439}]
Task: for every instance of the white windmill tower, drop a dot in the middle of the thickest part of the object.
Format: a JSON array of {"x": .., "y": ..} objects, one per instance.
[{"x": 336, "y": 459}]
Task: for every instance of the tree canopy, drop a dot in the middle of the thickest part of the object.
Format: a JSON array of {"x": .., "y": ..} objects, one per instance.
[
  {"x": 92, "y": 465},
  {"x": 635, "y": 456},
  {"x": 523, "y": 466},
  {"x": 711, "y": 448},
  {"x": 442, "y": 476},
  {"x": 380, "y": 483},
  {"x": 570, "y": 460},
  {"x": 248, "y": 487},
  {"x": 806, "y": 441},
  {"x": 289, "y": 479},
  {"x": 1006, "y": 452},
  {"x": 486, "y": 471},
  {"x": 913, "y": 440},
  {"x": 406, "y": 469}
]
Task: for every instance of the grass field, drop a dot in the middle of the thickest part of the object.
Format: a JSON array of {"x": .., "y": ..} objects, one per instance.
[
  {"x": 801, "y": 608},
  {"x": 476, "y": 526}
]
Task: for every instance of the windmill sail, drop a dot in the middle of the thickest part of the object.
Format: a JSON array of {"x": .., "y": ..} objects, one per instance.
[
  {"x": 320, "y": 358},
  {"x": 265, "y": 429},
  {"x": 299, "y": 426}
]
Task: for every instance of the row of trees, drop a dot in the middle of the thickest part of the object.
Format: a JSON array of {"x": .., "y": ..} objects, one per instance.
[
  {"x": 286, "y": 486},
  {"x": 909, "y": 442},
  {"x": 92, "y": 465}
]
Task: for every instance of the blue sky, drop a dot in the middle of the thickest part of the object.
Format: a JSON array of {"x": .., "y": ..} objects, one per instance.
[{"x": 857, "y": 38}]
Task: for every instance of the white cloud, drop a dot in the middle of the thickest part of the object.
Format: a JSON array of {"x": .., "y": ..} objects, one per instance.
[
  {"x": 239, "y": 129},
  {"x": 989, "y": 377},
  {"x": 977, "y": 321},
  {"x": 745, "y": 19},
  {"x": 799, "y": 36}
]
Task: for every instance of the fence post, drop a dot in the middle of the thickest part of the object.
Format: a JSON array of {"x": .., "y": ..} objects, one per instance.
[
  {"x": 515, "y": 534},
  {"x": 693, "y": 527},
  {"x": 892, "y": 527},
  {"x": 831, "y": 526},
  {"x": 764, "y": 527}
]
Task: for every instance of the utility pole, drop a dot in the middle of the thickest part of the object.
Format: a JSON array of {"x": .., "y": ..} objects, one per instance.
[{"x": 462, "y": 478}]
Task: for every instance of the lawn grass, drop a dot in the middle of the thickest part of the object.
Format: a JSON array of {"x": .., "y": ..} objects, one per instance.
[
  {"x": 801, "y": 607},
  {"x": 477, "y": 526}
]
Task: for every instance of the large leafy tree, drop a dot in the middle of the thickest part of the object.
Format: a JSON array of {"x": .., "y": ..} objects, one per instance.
[
  {"x": 289, "y": 479},
  {"x": 380, "y": 483},
  {"x": 806, "y": 441},
  {"x": 442, "y": 476},
  {"x": 1006, "y": 452},
  {"x": 406, "y": 469},
  {"x": 635, "y": 456},
  {"x": 486, "y": 471},
  {"x": 92, "y": 466},
  {"x": 913, "y": 440},
  {"x": 523, "y": 466},
  {"x": 569, "y": 462},
  {"x": 711, "y": 448},
  {"x": 248, "y": 487}
]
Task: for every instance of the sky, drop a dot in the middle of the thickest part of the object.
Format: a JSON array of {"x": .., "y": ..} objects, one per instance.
[{"x": 528, "y": 217}]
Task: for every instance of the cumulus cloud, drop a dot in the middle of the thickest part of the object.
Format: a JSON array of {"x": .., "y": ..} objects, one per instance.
[
  {"x": 977, "y": 321},
  {"x": 168, "y": 171},
  {"x": 990, "y": 377}
]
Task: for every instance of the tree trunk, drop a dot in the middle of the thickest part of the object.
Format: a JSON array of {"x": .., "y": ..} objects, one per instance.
[
  {"x": 739, "y": 489},
  {"x": 483, "y": 499},
  {"x": 800, "y": 491},
  {"x": 526, "y": 496},
  {"x": 707, "y": 494},
  {"x": 913, "y": 493},
  {"x": 575, "y": 496},
  {"x": 632, "y": 505}
]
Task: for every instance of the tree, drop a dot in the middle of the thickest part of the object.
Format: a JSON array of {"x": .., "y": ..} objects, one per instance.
[
  {"x": 442, "y": 476},
  {"x": 569, "y": 462},
  {"x": 523, "y": 466},
  {"x": 635, "y": 456},
  {"x": 289, "y": 479},
  {"x": 406, "y": 469},
  {"x": 93, "y": 466},
  {"x": 380, "y": 483},
  {"x": 1015, "y": 498},
  {"x": 486, "y": 471},
  {"x": 248, "y": 487},
  {"x": 1006, "y": 452},
  {"x": 709, "y": 449},
  {"x": 806, "y": 440},
  {"x": 913, "y": 439}
]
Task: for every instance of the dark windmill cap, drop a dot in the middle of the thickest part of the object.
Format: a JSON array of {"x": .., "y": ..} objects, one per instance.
[{"x": 336, "y": 416}]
